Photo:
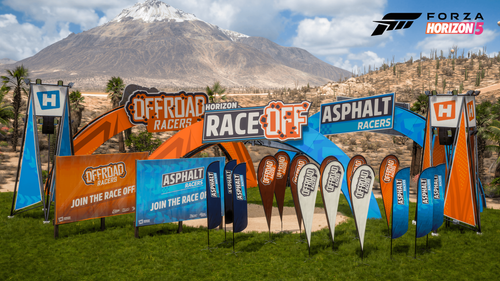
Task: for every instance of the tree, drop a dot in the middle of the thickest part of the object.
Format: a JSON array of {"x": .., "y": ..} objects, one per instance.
[
  {"x": 485, "y": 114},
  {"x": 215, "y": 94},
  {"x": 6, "y": 110},
  {"x": 115, "y": 88},
  {"x": 143, "y": 141},
  {"x": 15, "y": 79},
  {"x": 493, "y": 134},
  {"x": 420, "y": 107},
  {"x": 76, "y": 102}
]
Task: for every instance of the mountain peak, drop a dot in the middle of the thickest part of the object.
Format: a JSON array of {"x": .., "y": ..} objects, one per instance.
[{"x": 154, "y": 10}]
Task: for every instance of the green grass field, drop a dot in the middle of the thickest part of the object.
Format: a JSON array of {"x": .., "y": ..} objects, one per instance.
[{"x": 29, "y": 252}]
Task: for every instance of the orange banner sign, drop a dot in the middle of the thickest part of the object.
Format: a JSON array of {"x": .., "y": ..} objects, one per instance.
[
  {"x": 165, "y": 111},
  {"x": 95, "y": 186}
]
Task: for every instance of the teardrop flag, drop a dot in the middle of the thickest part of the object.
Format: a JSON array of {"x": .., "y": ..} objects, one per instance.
[
  {"x": 425, "y": 210},
  {"x": 332, "y": 175},
  {"x": 281, "y": 179},
  {"x": 388, "y": 169},
  {"x": 240, "y": 219},
  {"x": 361, "y": 188},
  {"x": 213, "y": 195},
  {"x": 266, "y": 175},
  {"x": 400, "y": 203},
  {"x": 228, "y": 191},
  {"x": 354, "y": 163},
  {"x": 307, "y": 187},
  {"x": 297, "y": 163},
  {"x": 438, "y": 196}
]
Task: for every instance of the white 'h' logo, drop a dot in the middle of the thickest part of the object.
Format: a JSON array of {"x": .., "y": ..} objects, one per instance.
[
  {"x": 443, "y": 110},
  {"x": 46, "y": 100}
]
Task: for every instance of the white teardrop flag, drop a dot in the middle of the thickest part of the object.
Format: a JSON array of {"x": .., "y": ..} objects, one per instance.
[
  {"x": 361, "y": 189},
  {"x": 331, "y": 184},
  {"x": 307, "y": 187}
]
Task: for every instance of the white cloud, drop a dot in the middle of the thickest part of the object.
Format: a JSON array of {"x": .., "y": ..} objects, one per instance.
[
  {"x": 336, "y": 36},
  {"x": 332, "y": 8},
  {"x": 18, "y": 41},
  {"x": 463, "y": 41},
  {"x": 367, "y": 58}
]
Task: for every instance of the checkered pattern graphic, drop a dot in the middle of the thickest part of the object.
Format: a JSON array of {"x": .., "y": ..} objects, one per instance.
[{"x": 459, "y": 204}]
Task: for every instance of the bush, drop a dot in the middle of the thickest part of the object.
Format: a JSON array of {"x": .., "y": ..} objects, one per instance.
[
  {"x": 3, "y": 144},
  {"x": 142, "y": 142},
  {"x": 447, "y": 71},
  {"x": 492, "y": 189}
]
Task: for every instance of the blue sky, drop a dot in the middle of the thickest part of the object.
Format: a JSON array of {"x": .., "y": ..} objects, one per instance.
[{"x": 338, "y": 32}]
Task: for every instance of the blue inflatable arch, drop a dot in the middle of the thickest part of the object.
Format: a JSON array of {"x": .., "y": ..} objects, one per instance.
[{"x": 318, "y": 147}]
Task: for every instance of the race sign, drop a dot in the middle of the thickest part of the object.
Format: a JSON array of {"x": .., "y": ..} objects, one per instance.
[
  {"x": 162, "y": 112},
  {"x": 95, "y": 186},
  {"x": 354, "y": 115},
  {"x": 276, "y": 121}
]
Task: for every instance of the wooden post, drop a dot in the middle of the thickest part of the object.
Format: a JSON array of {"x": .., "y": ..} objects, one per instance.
[
  {"x": 136, "y": 232},
  {"x": 103, "y": 224},
  {"x": 56, "y": 231},
  {"x": 179, "y": 230}
]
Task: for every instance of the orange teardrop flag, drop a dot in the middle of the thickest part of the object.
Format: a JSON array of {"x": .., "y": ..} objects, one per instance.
[
  {"x": 387, "y": 172},
  {"x": 354, "y": 163}
]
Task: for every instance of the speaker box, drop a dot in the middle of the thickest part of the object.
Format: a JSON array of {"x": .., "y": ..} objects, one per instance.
[
  {"x": 446, "y": 135},
  {"x": 48, "y": 125}
]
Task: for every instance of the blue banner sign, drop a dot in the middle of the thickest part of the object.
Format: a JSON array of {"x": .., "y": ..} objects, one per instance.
[
  {"x": 213, "y": 195},
  {"x": 400, "y": 203},
  {"x": 228, "y": 190},
  {"x": 240, "y": 197},
  {"x": 438, "y": 195},
  {"x": 172, "y": 190},
  {"x": 355, "y": 115},
  {"x": 425, "y": 210}
]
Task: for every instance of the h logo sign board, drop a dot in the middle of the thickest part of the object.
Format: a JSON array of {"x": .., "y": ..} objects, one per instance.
[
  {"x": 49, "y": 100},
  {"x": 445, "y": 110}
]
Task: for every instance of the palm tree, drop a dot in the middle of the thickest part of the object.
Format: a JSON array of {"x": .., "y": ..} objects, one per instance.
[
  {"x": 76, "y": 102},
  {"x": 485, "y": 114},
  {"x": 16, "y": 79},
  {"x": 216, "y": 90},
  {"x": 493, "y": 134},
  {"x": 215, "y": 94},
  {"x": 6, "y": 110},
  {"x": 420, "y": 106},
  {"x": 115, "y": 88}
]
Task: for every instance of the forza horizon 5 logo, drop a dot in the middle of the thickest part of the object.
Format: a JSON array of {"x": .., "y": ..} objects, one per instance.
[{"x": 442, "y": 23}]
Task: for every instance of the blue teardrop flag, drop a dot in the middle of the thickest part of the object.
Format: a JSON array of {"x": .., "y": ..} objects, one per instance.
[
  {"x": 425, "y": 210},
  {"x": 213, "y": 195},
  {"x": 228, "y": 190},
  {"x": 400, "y": 203},
  {"x": 240, "y": 221},
  {"x": 438, "y": 196}
]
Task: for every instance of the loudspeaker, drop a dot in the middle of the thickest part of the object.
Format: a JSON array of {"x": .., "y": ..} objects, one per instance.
[
  {"x": 446, "y": 135},
  {"x": 48, "y": 125}
]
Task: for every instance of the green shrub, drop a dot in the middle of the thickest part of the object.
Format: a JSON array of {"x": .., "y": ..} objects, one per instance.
[
  {"x": 492, "y": 189},
  {"x": 143, "y": 141}
]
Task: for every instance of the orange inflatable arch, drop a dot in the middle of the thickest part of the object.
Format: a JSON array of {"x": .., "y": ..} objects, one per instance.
[{"x": 184, "y": 144}]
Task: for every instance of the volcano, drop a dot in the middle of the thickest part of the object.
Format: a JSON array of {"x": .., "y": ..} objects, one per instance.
[{"x": 156, "y": 45}]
